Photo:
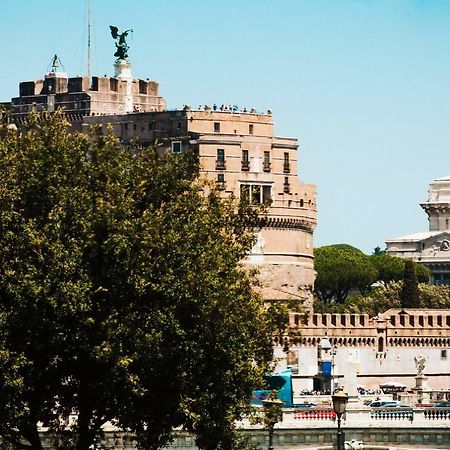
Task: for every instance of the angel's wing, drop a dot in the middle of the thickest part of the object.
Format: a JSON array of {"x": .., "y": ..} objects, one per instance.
[{"x": 114, "y": 31}]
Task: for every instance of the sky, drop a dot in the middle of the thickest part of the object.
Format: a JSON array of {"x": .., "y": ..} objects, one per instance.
[{"x": 363, "y": 84}]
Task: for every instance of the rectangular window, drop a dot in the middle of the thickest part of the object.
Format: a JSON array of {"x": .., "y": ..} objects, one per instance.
[
  {"x": 245, "y": 163},
  {"x": 176, "y": 147},
  {"x": 250, "y": 129},
  {"x": 220, "y": 183},
  {"x": 267, "y": 197},
  {"x": 443, "y": 354},
  {"x": 286, "y": 165},
  {"x": 220, "y": 161},
  {"x": 178, "y": 126},
  {"x": 216, "y": 127},
  {"x": 256, "y": 194},
  {"x": 266, "y": 161}
]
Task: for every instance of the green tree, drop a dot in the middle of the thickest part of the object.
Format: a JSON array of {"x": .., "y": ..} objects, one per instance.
[
  {"x": 339, "y": 270},
  {"x": 422, "y": 273},
  {"x": 122, "y": 294},
  {"x": 385, "y": 297},
  {"x": 434, "y": 297},
  {"x": 409, "y": 295},
  {"x": 391, "y": 268}
]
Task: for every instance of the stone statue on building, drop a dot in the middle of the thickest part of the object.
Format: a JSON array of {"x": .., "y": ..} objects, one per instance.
[
  {"x": 420, "y": 364},
  {"x": 121, "y": 44}
]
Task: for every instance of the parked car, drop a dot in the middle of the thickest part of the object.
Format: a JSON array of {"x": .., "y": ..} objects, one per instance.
[
  {"x": 379, "y": 403},
  {"x": 304, "y": 405},
  {"x": 388, "y": 404},
  {"x": 442, "y": 405}
]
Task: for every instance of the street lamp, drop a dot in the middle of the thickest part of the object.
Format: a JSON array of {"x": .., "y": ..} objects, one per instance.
[
  {"x": 272, "y": 414},
  {"x": 340, "y": 399}
]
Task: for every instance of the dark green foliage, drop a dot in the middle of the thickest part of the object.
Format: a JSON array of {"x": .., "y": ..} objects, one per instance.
[
  {"x": 346, "y": 247},
  {"x": 342, "y": 268},
  {"x": 122, "y": 295},
  {"x": 422, "y": 273},
  {"x": 339, "y": 270},
  {"x": 383, "y": 298},
  {"x": 389, "y": 268},
  {"x": 409, "y": 295}
]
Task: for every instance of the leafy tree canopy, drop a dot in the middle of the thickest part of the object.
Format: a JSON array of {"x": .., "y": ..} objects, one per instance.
[
  {"x": 342, "y": 268},
  {"x": 339, "y": 270},
  {"x": 122, "y": 295},
  {"x": 391, "y": 268},
  {"x": 409, "y": 295},
  {"x": 385, "y": 297},
  {"x": 346, "y": 247}
]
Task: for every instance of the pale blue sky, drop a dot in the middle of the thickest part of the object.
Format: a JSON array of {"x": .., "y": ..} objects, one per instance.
[{"x": 363, "y": 84}]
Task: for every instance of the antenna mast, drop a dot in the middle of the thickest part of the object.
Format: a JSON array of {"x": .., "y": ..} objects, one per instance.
[{"x": 89, "y": 40}]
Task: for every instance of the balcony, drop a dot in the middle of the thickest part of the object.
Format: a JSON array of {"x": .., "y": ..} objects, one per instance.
[
  {"x": 245, "y": 165},
  {"x": 266, "y": 166},
  {"x": 220, "y": 164},
  {"x": 286, "y": 168},
  {"x": 220, "y": 185},
  {"x": 287, "y": 188}
]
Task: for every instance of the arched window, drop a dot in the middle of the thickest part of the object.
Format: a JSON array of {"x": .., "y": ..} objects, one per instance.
[{"x": 380, "y": 344}]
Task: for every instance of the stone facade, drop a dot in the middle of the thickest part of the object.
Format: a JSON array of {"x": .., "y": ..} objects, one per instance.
[
  {"x": 431, "y": 248},
  {"x": 237, "y": 150},
  {"x": 376, "y": 349},
  {"x": 81, "y": 96}
]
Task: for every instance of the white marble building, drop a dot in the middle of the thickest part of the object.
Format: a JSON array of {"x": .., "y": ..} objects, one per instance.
[{"x": 432, "y": 247}]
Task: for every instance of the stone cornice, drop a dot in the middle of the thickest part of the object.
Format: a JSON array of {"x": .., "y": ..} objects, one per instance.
[{"x": 288, "y": 223}]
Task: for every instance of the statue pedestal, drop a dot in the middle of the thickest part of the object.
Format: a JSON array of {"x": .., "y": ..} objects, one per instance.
[
  {"x": 122, "y": 70},
  {"x": 420, "y": 387},
  {"x": 421, "y": 383}
]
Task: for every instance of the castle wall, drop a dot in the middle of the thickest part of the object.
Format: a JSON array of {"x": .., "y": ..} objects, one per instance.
[
  {"x": 238, "y": 152},
  {"x": 379, "y": 349}
]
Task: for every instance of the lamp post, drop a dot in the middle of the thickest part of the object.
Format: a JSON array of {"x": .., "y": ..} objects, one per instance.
[
  {"x": 340, "y": 399},
  {"x": 272, "y": 414}
]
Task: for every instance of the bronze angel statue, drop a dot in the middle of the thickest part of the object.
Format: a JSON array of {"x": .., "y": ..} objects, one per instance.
[{"x": 121, "y": 43}]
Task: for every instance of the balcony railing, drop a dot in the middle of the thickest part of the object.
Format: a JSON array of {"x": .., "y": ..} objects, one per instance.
[
  {"x": 220, "y": 185},
  {"x": 266, "y": 166},
  {"x": 286, "y": 188},
  {"x": 286, "y": 168},
  {"x": 220, "y": 164},
  {"x": 245, "y": 165}
]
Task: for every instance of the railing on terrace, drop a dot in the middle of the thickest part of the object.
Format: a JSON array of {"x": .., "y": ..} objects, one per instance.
[
  {"x": 392, "y": 413},
  {"x": 358, "y": 415},
  {"x": 314, "y": 414}
]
